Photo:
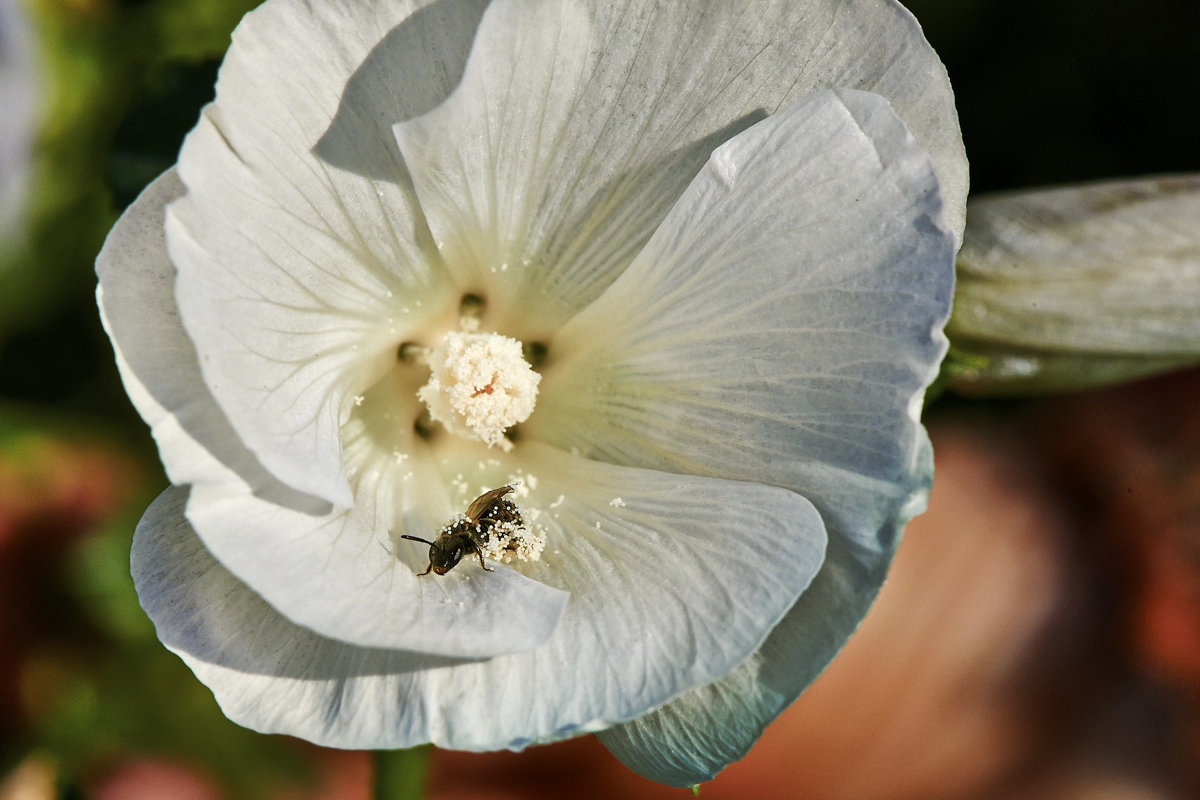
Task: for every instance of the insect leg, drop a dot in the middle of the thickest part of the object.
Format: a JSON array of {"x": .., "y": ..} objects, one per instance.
[{"x": 477, "y": 543}]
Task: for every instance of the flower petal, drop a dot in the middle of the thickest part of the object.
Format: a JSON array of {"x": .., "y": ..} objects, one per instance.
[
  {"x": 266, "y": 672},
  {"x": 158, "y": 362},
  {"x": 302, "y": 255},
  {"x": 788, "y": 313},
  {"x": 578, "y": 124},
  {"x": 781, "y": 326},
  {"x": 325, "y": 568},
  {"x": 689, "y": 572},
  {"x": 1076, "y": 286},
  {"x": 692, "y": 738},
  {"x": 1110, "y": 267},
  {"x": 671, "y": 589},
  {"x": 334, "y": 573}
]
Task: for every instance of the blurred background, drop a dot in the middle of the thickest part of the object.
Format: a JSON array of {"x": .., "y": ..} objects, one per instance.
[{"x": 1039, "y": 636}]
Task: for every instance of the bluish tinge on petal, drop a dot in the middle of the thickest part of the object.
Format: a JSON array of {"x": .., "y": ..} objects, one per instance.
[
  {"x": 675, "y": 580},
  {"x": 300, "y": 268},
  {"x": 695, "y": 736},
  {"x": 781, "y": 326},
  {"x": 578, "y": 125},
  {"x": 266, "y": 672}
]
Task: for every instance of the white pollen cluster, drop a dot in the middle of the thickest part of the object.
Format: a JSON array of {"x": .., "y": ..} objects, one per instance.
[
  {"x": 480, "y": 386},
  {"x": 509, "y": 540}
]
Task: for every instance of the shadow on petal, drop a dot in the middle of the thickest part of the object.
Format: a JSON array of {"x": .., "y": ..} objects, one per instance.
[
  {"x": 621, "y": 215},
  {"x": 203, "y": 612},
  {"x": 434, "y": 41},
  {"x": 159, "y": 362}
]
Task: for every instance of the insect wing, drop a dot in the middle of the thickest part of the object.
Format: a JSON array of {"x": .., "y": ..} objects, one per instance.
[{"x": 480, "y": 505}]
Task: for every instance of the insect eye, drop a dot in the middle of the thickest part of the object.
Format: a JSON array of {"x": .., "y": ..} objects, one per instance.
[{"x": 446, "y": 555}]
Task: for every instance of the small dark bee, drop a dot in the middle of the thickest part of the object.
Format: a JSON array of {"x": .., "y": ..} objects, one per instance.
[{"x": 470, "y": 533}]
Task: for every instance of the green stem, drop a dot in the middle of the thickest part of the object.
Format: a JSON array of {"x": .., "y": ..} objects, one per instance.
[{"x": 400, "y": 774}]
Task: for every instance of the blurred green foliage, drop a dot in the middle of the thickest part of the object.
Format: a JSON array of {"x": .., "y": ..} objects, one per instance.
[
  {"x": 123, "y": 83},
  {"x": 99, "y": 59}
]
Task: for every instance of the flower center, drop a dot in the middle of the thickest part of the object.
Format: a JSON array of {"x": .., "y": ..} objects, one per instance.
[{"x": 480, "y": 386}]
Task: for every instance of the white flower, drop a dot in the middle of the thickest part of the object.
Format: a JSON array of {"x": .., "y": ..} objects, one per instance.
[
  {"x": 1079, "y": 285},
  {"x": 732, "y": 353}
]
